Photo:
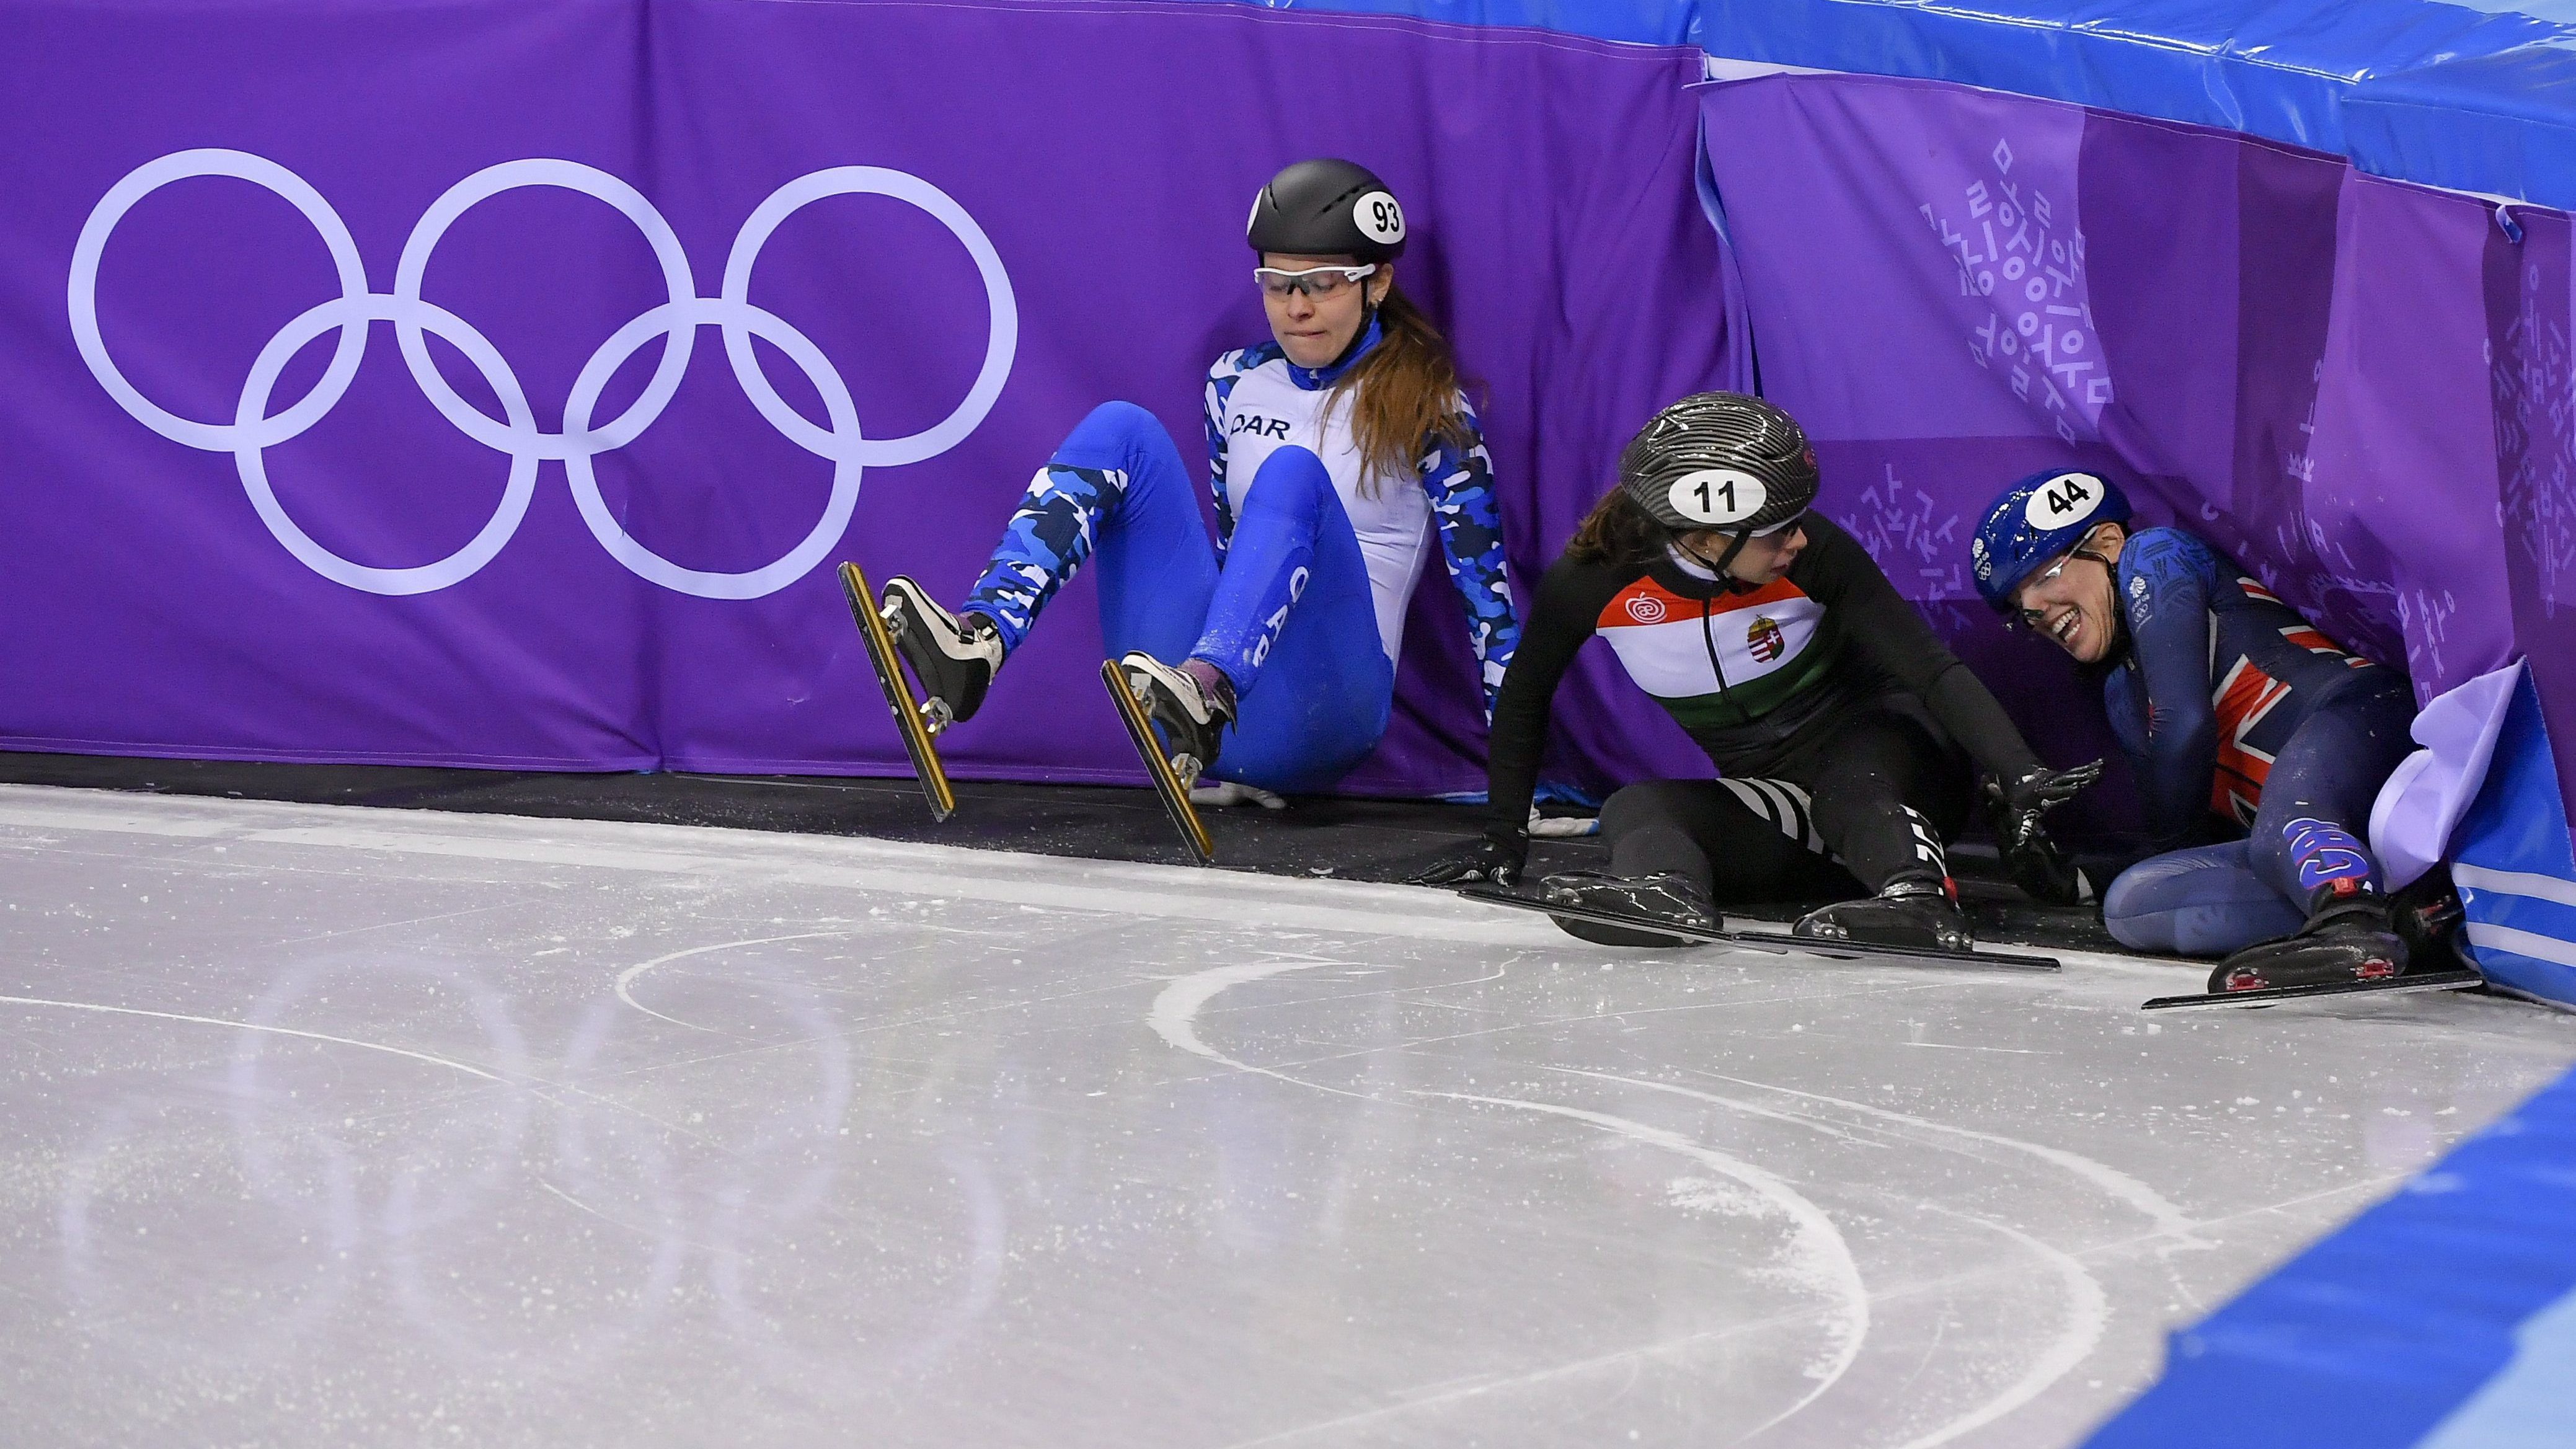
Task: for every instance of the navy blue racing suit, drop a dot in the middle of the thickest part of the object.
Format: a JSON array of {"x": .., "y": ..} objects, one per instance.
[{"x": 2241, "y": 720}]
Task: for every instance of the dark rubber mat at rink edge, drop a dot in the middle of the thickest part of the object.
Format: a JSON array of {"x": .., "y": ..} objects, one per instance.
[{"x": 1343, "y": 837}]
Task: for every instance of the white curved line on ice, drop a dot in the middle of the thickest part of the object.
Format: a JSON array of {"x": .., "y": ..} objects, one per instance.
[
  {"x": 371, "y": 1046},
  {"x": 2088, "y": 1312},
  {"x": 1174, "y": 1014},
  {"x": 1817, "y": 1240},
  {"x": 1730, "y": 1103},
  {"x": 2169, "y": 1219},
  {"x": 626, "y": 978}
]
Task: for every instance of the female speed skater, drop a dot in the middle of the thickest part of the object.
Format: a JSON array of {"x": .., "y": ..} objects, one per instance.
[
  {"x": 1842, "y": 730},
  {"x": 1266, "y": 657},
  {"x": 2240, "y": 719}
]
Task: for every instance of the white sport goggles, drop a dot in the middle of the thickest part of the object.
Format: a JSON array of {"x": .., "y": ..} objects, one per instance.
[{"x": 1276, "y": 284}]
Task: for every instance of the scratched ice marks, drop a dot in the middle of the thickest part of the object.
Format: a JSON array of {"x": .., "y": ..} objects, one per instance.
[{"x": 388, "y": 1126}]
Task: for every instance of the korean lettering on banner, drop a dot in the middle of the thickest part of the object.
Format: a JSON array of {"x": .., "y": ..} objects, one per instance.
[
  {"x": 1914, "y": 537},
  {"x": 2020, "y": 261}
]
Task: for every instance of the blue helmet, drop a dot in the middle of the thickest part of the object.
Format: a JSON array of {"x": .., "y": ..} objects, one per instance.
[{"x": 2035, "y": 520}]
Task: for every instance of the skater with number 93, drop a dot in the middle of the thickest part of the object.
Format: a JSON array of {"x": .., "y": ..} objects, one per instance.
[{"x": 1266, "y": 658}]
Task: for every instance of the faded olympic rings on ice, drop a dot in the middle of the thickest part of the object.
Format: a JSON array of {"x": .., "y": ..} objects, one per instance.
[{"x": 254, "y": 429}]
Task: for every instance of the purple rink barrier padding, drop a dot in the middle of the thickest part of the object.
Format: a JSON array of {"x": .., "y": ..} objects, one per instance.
[
  {"x": 1101, "y": 155},
  {"x": 1952, "y": 288}
]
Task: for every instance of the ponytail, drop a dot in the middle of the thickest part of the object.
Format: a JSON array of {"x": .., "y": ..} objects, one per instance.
[
  {"x": 1403, "y": 396},
  {"x": 1616, "y": 531}
]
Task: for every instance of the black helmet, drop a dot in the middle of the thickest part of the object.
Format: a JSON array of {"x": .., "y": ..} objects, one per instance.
[
  {"x": 1327, "y": 208},
  {"x": 1720, "y": 460}
]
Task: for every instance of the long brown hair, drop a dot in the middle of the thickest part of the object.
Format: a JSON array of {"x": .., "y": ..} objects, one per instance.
[
  {"x": 1402, "y": 395},
  {"x": 1616, "y": 531}
]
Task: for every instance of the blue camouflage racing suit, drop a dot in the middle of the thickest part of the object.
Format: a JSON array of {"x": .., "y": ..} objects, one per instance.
[{"x": 1301, "y": 597}]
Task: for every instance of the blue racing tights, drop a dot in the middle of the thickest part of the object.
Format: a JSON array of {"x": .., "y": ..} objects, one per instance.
[
  {"x": 1287, "y": 614},
  {"x": 2310, "y": 830}
]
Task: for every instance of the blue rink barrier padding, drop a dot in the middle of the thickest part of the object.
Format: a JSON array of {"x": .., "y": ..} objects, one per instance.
[
  {"x": 2474, "y": 98},
  {"x": 2516, "y": 874},
  {"x": 2443, "y": 1318},
  {"x": 2471, "y": 98}
]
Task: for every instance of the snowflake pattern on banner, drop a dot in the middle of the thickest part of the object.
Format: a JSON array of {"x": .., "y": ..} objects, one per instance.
[
  {"x": 1914, "y": 537},
  {"x": 2535, "y": 422},
  {"x": 2020, "y": 261}
]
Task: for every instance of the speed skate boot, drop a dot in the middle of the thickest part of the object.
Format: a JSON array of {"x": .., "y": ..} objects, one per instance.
[
  {"x": 952, "y": 659},
  {"x": 1669, "y": 898},
  {"x": 1193, "y": 717},
  {"x": 2349, "y": 937},
  {"x": 1911, "y": 912},
  {"x": 2428, "y": 917}
]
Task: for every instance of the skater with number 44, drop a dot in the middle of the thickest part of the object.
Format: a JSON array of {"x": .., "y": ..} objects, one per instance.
[{"x": 2259, "y": 746}]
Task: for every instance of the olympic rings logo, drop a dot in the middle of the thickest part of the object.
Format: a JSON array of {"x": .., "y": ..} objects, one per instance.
[{"x": 254, "y": 429}]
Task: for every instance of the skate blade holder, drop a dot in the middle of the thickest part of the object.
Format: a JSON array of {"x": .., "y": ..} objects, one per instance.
[
  {"x": 1162, "y": 770},
  {"x": 914, "y": 723}
]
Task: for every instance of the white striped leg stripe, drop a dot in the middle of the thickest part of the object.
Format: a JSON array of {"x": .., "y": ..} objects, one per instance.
[
  {"x": 1783, "y": 804},
  {"x": 1927, "y": 845}
]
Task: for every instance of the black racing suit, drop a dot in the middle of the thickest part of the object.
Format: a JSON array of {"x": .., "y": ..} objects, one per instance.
[{"x": 1841, "y": 727}]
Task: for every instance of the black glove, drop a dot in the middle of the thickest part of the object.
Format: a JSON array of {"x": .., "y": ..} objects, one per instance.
[
  {"x": 1496, "y": 859},
  {"x": 2043, "y": 870},
  {"x": 2036, "y": 862}
]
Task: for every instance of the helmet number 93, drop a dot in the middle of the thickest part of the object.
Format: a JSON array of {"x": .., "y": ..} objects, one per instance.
[{"x": 1379, "y": 218}]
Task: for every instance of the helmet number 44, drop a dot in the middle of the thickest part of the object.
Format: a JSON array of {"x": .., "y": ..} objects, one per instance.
[{"x": 2064, "y": 499}]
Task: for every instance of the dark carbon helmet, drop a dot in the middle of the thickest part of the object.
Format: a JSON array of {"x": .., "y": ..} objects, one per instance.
[
  {"x": 1326, "y": 208},
  {"x": 1720, "y": 460}
]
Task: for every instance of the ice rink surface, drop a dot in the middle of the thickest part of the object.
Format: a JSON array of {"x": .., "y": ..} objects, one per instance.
[{"x": 366, "y": 1126}]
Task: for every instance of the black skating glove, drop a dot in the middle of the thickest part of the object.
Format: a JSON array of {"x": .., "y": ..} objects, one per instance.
[
  {"x": 1495, "y": 860},
  {"x": 2035, "y": 861},
  {"x": 2043, "y": 870}
]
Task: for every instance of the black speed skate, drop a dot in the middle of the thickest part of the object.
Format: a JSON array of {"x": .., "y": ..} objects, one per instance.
[
  {"x": 2352, "y": 946},
  {"x": 952, "y": 659},
  {"x": 1670, "y": 899},
  {"x": 1175, "y": 728},
  {"x": 1916, "y": 914},
  {"x": 1192, "y": 723},
  {"x": 2349, "y": 941}
]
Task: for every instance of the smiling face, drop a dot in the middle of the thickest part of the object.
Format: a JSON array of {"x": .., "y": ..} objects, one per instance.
[
  {"x": 2072, "y": 602},
  {"x": 1763, "y": 558},
  {"x": 1313, "y": 330}
]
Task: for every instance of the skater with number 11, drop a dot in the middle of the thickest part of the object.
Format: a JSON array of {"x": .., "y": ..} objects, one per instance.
[{"x": 1845, "y": 735}]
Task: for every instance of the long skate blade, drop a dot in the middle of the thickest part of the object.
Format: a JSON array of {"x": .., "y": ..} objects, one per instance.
[
  {"x": 1167, "y": 786},
  {"x": 1778, "y": 943},
  {"x": 1927, "y": 955},
  {"x": 1679, "y": 935},
  {"x": 2275, "y": 995},
  {"x": 898, "y": 693}
]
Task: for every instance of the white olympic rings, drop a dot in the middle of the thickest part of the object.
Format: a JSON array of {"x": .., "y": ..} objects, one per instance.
[{"x": 516, "y": 434}]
